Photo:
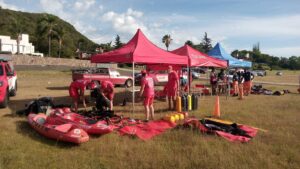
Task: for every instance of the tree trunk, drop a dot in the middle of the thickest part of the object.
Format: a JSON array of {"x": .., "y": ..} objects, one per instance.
[
  {"x": 18, "y": 44},
  {"x": 49, "y": 52},
  {"x": 59, "y": 49}
]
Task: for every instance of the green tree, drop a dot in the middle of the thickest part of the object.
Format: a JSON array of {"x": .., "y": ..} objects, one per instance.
[
  {"x": 206, "y": 43},
  {"x": 47, "y": 26},
  {"x": 256, "y": 48},
  {"x": 118, "y": 42},
  {"x": 167, "y": 41},
  {"x": 17, "y": 29},
  {"x": 190, "y": 43},
  {"x": 59, "y": 34}
]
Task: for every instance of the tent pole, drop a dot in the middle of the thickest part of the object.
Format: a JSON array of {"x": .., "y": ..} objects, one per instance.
[
  {"x": 189, "y": 80},
  {"x": 228, "y": 83},
  {"x": 133, "y": 84}
]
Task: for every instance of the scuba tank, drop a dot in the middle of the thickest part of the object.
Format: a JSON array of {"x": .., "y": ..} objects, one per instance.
[
  {"x": 178, "y": 104},
  {"x": 195, "y": 102},
  {"x": 184, "y": 103},
  {"x": 189, "y": 99}
]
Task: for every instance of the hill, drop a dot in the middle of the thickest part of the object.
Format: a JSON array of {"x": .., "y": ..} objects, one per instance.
[{"x": 14, "y": 22}]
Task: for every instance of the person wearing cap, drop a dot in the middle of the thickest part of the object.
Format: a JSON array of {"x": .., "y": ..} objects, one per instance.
[
  {"x": 235, "y": 83},
  {"x": 172, "y": 87},
  {"x": 213, "y": 81},
  {"x": 248, "y": 76},
  {"x": 147, "y": 91},
  {"x": 241, "y": 80},
  {"x": 76, "y": 91},
  {"x": 107, "y": 92}
]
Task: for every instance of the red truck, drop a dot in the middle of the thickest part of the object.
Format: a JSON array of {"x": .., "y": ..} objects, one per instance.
[
  {"x": 100, "y": 74},
  {"x": 8, "y": 80}
]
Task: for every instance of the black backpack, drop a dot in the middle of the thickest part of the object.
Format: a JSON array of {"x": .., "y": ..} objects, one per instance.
[{"x": 37, "y": 106}]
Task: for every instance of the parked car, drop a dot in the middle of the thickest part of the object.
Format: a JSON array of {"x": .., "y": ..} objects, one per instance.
[
  {"x": 159, "y": 77},
  {"x": 8, "y": 80},
  {"x": 259, "y": 72},
  {"x": 100, "y": 74},
  {"x": 279, "y": 73}
]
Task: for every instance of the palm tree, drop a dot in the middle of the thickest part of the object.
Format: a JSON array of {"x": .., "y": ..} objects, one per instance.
[
  {"x": 17, "y": 29},
  {"x": 47, "y": 26},
  {"x": 59, "y": 34},
  {"x": 167, "y": 40}
]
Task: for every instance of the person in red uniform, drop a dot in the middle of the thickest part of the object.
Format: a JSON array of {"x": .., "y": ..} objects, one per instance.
[
  {"x": 147, "y": 90},
  {"x": 76, "y": 91},
  {"x": 107, "y": 91},
  {"x": 172, "y": 87}
]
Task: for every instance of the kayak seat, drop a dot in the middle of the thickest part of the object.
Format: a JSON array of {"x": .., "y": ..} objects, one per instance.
[
  {"x": 40, "y": 120},
  {"x": 64, "y": 127}
]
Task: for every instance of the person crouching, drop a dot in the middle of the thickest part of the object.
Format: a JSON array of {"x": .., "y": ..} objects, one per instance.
[
  {"x": 147, "y": 91},
  {"x": 76, "y": 91},
  {"x": 105, "y": 96}
]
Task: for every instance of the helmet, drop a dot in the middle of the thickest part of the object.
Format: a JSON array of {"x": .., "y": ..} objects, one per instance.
[
  {"x": 143, "y": 71},
  {"x": 92, "y": 85}
]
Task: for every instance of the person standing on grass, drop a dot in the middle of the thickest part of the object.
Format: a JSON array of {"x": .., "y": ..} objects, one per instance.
[
  {"x": 147, "y": 90},
  {"x": 248, "y": 76},
  {"x": 76, "y": 91},
  {"x": 235, "y": 83},
  {"x": 172, "y": 87},
  {"x": 213, "y": 81},
  {"x": 240, "y": 74},
  {"x": 222, "y": 81}
]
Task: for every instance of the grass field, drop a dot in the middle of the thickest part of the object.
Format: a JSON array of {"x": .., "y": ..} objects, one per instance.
[{"x": 22, "y": 147}]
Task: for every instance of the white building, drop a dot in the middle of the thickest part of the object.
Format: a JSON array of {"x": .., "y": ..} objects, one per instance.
[{"x": 10, "y": 45}]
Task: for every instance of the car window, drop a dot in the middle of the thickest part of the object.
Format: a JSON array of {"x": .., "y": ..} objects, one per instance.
[
  {"x": 8, "y": 70},
  {"x": 101, "y": 71},
  {"x": 1, "y": 70},
  {"x": 114, "y": 73}
]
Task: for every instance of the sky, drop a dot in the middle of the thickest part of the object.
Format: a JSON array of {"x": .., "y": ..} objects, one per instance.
[{"x": 236, "y": 24}]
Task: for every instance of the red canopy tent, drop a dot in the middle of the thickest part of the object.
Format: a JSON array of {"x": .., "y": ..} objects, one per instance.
[
  {"x": 196, "y": 58},
  {"x": 139, "y": 50}
]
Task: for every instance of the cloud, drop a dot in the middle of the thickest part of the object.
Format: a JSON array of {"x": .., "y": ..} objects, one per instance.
[
  {"x": 56, "y": 7},
  {"x": 127, "y": 22},
  {"x": 83, "y": 5},
  {"x": 283, "y": 51},
  {"x": 9, "y": 6}
]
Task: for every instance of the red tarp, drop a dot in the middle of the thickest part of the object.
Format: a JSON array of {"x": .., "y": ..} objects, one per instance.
[
  {"x": 196, "y": 58},
  {"x": 147, "y": 130},
  {"x": 139, "y": 50}
]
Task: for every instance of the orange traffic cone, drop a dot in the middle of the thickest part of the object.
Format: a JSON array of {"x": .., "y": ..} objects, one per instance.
[{"x": 217, "y": 113}]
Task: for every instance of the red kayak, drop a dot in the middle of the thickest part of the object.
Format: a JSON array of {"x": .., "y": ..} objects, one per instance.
[
  {"x": 65, "y": 132},
  {"x": 91, "y": 126}
]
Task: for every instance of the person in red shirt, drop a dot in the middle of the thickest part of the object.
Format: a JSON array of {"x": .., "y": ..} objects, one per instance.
[
  {"x": 76, "y": 91},
  {"x": 172, "y": 87},
  {"x": 147, "y": 90},
  {"x": 107, "y": 91}
]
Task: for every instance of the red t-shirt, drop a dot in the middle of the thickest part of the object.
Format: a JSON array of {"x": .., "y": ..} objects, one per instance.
[
  {"x": 108, "y": 89},
  {"x": 172, "y": 80},
  {"x": 149, "y": 86},
  {"x": 77, "y": 85}
]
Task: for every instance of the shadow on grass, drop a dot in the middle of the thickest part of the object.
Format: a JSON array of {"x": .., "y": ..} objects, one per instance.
[
  {"x": 26, "y": 130},
  {"x": 58, "y": 88},
  {"x": 17, "y": 105}
]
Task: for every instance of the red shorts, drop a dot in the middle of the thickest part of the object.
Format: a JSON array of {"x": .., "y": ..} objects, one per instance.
[
  {"x": 148, "y": 100},
  {"x": 172, "y": 92},
  {"x": 74, "y": 93}
]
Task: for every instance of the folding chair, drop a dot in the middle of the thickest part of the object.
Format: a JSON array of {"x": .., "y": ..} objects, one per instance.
[{"x": 201, "y": 89}]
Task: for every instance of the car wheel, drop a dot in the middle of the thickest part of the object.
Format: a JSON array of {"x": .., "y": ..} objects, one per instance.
[
  {"x": 5, "y": 101},
  {"x": 13, "y": 92},
  {"x": 128, "y": 83}
]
